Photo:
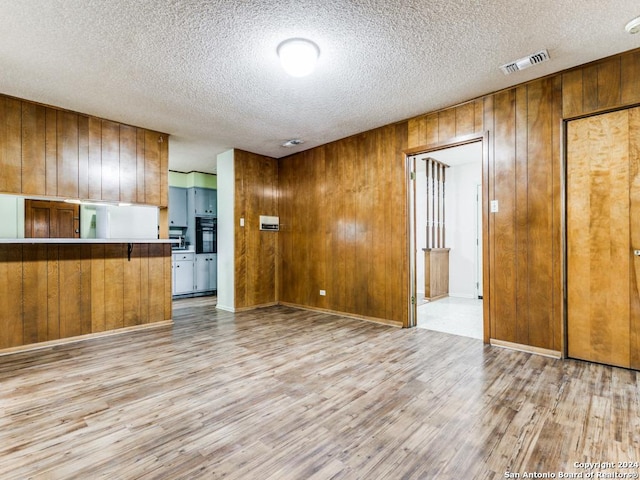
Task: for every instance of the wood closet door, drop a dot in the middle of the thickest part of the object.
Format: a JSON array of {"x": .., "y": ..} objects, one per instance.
[
  {"x": 603, "y": 230},
  {"x": 47, "y": 219}
]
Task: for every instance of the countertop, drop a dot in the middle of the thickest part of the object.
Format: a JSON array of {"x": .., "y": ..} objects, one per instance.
[{"x": 85, "y": 240}]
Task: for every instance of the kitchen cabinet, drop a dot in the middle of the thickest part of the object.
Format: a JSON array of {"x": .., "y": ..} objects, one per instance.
[
  {"x": 178, "y": 207},
  {"x": 183, "y": 272},
  {"x": 204, "y": 201},
  {"x": 58, "y": 153},
  {"x": 206, "y": 269}
]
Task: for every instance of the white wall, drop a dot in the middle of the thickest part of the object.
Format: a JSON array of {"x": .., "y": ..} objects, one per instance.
[
  {"x": 226, "y": 225},
  {"x": 460, "y": 224},
  {"x": 12, "y": 216},
  {"x": 462, "y": 178}
]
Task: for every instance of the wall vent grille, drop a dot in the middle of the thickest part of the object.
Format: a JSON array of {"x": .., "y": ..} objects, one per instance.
[{"x": 525, "y": 62}]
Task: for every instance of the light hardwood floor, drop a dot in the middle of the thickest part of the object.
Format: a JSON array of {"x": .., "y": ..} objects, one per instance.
[{"x": 279, "y": 393}]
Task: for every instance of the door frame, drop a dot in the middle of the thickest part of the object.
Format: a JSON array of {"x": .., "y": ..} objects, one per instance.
[{"x": 410, "y": 155}]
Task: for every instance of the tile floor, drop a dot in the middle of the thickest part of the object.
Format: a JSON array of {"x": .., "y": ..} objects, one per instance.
[{"x": 455, "y": 315}]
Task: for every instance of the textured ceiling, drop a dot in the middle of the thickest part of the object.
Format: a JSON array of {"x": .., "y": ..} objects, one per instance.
[{"x": 206, "y": 71}]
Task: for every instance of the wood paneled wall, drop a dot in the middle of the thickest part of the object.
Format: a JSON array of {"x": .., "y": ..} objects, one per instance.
[
  {"x": 343, "y": 226},
  {"x": 604, "y": 85},
  {"x": 50, "y": 291},
  {"x": 256, "y": 260},
  {"x": 343, "y": 205},
  {"x": 524, "y": 236},
  {"x": 53, "y": 291},
  {"x": 45, "y": 151}
]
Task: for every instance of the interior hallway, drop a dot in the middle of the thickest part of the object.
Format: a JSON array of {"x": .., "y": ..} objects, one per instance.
[{"x": 454, "y": 315}]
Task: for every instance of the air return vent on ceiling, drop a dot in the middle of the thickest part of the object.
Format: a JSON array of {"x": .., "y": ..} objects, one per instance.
[{"x": 525, "y": 62}]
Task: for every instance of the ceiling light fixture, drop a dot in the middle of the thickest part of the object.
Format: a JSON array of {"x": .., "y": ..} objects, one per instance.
[
  {"x": 633, "y": 26},
  {"x": 298, "y": 56}
]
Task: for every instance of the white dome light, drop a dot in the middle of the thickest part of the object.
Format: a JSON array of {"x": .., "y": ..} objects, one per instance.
[{"x": 298, "y": 56}]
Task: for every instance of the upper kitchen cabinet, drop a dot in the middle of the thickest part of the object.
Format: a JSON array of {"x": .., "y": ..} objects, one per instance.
[
  {"x": 204, "y": 201},
  {"x": 57, "y": 153},
  {"x": 178, "y": 207}
]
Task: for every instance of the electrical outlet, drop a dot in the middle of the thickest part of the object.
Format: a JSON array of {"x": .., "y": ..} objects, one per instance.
[
  {"x": 494, "y": 206},
  {"x": 242, "y": 222},
  {"x": 323, "y": 293}
]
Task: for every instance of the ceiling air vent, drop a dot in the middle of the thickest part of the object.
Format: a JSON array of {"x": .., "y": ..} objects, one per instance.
[
  {"x": 525, "y": 62},
  {"x": 292, "y": 143}
]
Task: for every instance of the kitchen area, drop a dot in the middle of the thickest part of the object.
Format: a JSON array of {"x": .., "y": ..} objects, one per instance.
[{"x": 193, "y": 228}]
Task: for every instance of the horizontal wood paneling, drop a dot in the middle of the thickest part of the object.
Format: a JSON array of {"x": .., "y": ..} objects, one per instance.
[{"x": 57, "y": 291}]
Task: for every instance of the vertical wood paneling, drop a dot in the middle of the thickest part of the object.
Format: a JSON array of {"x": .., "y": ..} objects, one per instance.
[
  {"x": 51, "y": 152},
  {"x": 479, "y": 116},
  {"x": 164, "y": 172},
  {"x": 34, "y": 283},
  {"x": 590, "y": 88},
  {"x": 67, "y": 149},
  {"x": 488, "y": 191},
  {"x": 132, "y": 287},
  {"x": 10, "y": 145},
  {"x": 557, "y": 242},
  {"x": 609, "y": 83},
  {"x": 337, "y": 225},
  {"x": 256, "y": 251},
  {"x": 157, "y": 286},
  {"x": 432, "y": 129},
  {"x": 521, "y": 194},
  {"x": 630, "y": 78},
  {"x": 33, "y": 149},
  {"x": 144, "y": 282},
  {"x": 140, "y": 197},
  {"x": 95, "y": 158},
  {"x": 110, "y": 161},
  {"x": 84, "y": 295},
  {"x": 634, "y": 225},
  {"x": 152, "y": 179},
  {"x": 503, "y": 231},
  {"x": 114, "y": 285},
  {"x": 53, "y": 293},
  {"x": 11, "y": 333},
  {"x": 83, "y": 156},
  {"x": 417, "y": 131},
  {"x": 447, "y": 124},
  {"x": 128, "y": 164},
  {"x": 541, "y": 213},
  {"x": 465, "y": 119},
  {"x": 348, "y": 201},
  {"x": 98, "y": 298},
  {"x": 572, "y": 93},
  {"x": 69, "y": 271}
]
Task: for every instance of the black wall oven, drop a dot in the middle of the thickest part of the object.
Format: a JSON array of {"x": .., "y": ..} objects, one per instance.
[{"x": 206, "y": 233}]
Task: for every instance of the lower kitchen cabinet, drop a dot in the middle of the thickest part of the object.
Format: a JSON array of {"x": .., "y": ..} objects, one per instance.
[
  {"x": 183, "y": 273},
  {"x": 206, "y": 268}
]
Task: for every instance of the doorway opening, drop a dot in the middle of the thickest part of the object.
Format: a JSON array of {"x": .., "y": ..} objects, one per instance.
[{"x": 453, "y": 173}]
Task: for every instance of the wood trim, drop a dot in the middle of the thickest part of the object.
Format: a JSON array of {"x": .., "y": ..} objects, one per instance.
[
  {"x": 525, "y": 348},
  {"x": 382, "y": 321},
  {"x": 83, "y": 338}
]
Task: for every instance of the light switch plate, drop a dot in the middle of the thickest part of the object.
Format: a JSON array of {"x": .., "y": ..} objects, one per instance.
[
  {"x": 242, "y": 222},
  {"x": 494, "y": 206}
]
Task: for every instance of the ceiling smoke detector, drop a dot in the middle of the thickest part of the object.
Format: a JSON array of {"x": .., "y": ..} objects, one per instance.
[
  {"x": 525, "y": 62},
  {"x": 292, "y": 143}
]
